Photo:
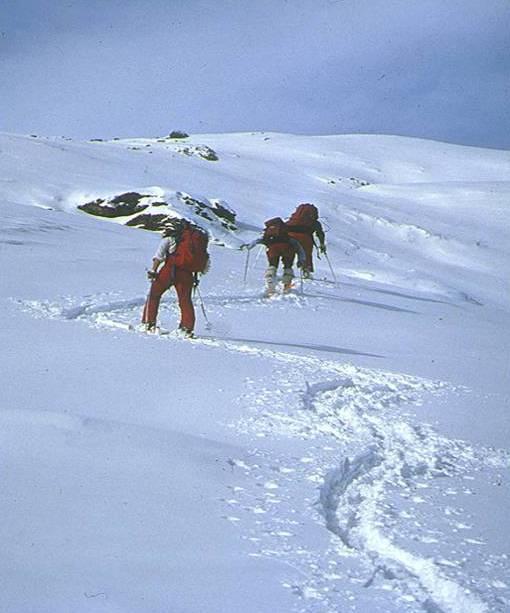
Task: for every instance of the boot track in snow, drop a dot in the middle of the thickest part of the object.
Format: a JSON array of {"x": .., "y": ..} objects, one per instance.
[{"x": 364, "y": 458}]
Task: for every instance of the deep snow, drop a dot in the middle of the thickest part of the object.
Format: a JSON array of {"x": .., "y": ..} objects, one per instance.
[{"x": 344, "y": 448}]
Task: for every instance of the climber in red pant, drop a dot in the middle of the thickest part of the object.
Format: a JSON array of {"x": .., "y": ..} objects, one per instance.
[{"x": 179, "y": 269}]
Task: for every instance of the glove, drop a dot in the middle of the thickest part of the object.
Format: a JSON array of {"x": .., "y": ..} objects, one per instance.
[
  {"x": 151, "y": 275},
  {"x": 322, "y": 248}
]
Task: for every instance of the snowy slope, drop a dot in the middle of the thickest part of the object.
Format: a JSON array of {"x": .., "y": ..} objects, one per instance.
[{"x": 343, "y": 448}]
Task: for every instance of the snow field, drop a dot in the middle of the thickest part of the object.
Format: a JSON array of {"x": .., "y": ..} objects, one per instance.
[
  {"x": 363, "y": 415},
  {"x": 343, "y": 447}
]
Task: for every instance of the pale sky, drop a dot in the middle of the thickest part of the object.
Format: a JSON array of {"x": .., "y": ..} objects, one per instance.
[{"x": 102, "y": 68}]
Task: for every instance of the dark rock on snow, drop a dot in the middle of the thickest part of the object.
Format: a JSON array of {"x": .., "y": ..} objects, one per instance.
[
  {"x": 129, "y": 205},
  {"x": 120, "y": 206},
  {"x": 178, "y": 134}
]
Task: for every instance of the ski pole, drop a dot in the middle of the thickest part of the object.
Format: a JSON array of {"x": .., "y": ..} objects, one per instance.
[
  {"x": 301, "y": 281},
  {"x": 330, "y": 267},
  {"x": 246, "y": 266},
  {"x": 208, "y": 324}
]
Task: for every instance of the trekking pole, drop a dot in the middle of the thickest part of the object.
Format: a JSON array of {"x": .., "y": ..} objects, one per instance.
[
  {"x": 330, "y": 267},
  {"x": 208, "y": 324},
  {"x": 301, "y": 282},
  {"x": 258, "y": 254},
  {"x": 246, "y": 266}
]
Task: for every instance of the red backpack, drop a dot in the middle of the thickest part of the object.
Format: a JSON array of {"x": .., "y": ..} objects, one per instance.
[
  {"x": 304, "y": 215},
  {"x": 275, "y": 231},
  {"x": 191, "y": 253}
]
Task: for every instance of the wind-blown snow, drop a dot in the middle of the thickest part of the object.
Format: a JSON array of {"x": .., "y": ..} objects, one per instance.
[{"x": 344, "y": 447}]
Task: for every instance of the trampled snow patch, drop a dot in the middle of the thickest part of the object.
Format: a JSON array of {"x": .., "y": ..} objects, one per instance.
[{"x": 365, "y": 417}]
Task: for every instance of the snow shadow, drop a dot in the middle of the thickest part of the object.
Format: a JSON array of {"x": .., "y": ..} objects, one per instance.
[
  {"x": 377, "y": 305},
  {"x": 312, "y": 347}
]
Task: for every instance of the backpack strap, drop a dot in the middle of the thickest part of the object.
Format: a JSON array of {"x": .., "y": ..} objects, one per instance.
[{"x": 300, "y": 229}]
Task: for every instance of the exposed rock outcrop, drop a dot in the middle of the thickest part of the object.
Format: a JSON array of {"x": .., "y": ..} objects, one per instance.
[{"x": 152, "y": 211}]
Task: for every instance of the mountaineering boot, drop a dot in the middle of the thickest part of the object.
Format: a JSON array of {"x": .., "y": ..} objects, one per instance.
[
  {"x": 307, "y": 273},
  {"x": 288, "y": 275},
  {"x": 270, "y": 278},
  {"x": 185, "y": 332},
  {"x": 151, "y": 328}
]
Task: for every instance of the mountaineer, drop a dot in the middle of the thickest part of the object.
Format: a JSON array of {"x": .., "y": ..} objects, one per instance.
[
  {"x": 302, "y": 225},
  {"x": 279, "y": 246},
  {"x": 183, "y": 253}
]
